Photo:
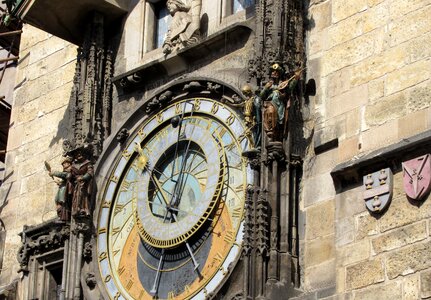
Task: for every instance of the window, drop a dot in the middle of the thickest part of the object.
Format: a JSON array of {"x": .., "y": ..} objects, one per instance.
[
  {"x": 231, "y": 7},
  {"x": 156, "y": 23},
  {"x": 238, "y": 5},
  {"x": 163, "y": 20},
  {"x": 45, "y": 275}
]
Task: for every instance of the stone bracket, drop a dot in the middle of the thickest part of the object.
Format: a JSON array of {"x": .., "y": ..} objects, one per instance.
[
  {"x": 351, "y": 172},
  {"x": 162, "y": 68}
]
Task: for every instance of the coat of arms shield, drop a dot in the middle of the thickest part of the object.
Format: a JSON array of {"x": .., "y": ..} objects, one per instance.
[
  {"x": 417, "y": 177},
  {"x": 378, "y": 190}
]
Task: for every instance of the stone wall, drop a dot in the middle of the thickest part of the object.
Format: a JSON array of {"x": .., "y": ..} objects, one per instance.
[
  {"x": 371, "y": 62},
  {"x": 39, "y": 121}
]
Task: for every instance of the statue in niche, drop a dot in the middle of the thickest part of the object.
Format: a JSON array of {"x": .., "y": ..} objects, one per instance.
[
  {"x": 82, "y": 177},
  {"x": 275, "y": 95},
  {"x": 65, "y": 188},
  {"x": 185, "y": 24},
  {"x": 253, "y": 114}
]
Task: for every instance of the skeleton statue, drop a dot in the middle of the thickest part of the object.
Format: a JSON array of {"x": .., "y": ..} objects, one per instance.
[
  {"x": 253, "y": 113},
  {"x": 185, "y": 24}
]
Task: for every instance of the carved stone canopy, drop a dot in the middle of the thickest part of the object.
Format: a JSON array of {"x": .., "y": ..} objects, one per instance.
[{"x": 41, "y": 239}]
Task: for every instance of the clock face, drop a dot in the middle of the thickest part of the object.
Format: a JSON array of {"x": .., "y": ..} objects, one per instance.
[{"x": 171, "y": 217}]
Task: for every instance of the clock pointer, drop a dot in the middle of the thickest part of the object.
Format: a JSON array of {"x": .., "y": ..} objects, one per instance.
[
  {"x": 168, "y": 208},
  {"x": 180, "y": 210},
  {"x": 174, "y": 121},
  {"x": 155, "y": 288}
]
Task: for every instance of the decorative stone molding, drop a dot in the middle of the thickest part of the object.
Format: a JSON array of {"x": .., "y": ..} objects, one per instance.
[
  {"x": 351, "y": 172},
  {"x": 122, "y": 135},
  {"x": 141, "y": 76},
  {"x": 41, "y": 239}
]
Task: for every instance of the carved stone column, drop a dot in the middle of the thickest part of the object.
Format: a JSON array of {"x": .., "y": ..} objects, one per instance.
[
  {"x": 253, "y": 265},
  {"x": 91, "y": 96},
  {"x": 275, "y": 154},
  {"x": 80, "y": 231}
]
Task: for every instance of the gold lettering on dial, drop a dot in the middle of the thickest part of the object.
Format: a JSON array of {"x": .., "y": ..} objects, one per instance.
[
  {"x": 214, "y": 108},
  {"x": 236, "y": 213},
  {"x": 107, "y": 278},
  {"x": 115, "y": 231},
  {"x": 129, "y": 284},
  {"x": 102, "y": 230},
  {"x": 118, "y": 208},
  {"x": 117, "y": 296},
  {"x": 197, "y": 104},
  {"x": 230, "y": 119},
  {"x": 229, "y": 236},
  {"x": 121, "y": 270},
  {"x": 239, "y": 188},
  {"x": 171, "y": 295},
  {"x": 125, "y": 185},
  {"x": 159, "y": 117},
  {"x": 103, "y": 256},
  {"x": 218, "y": 257}
]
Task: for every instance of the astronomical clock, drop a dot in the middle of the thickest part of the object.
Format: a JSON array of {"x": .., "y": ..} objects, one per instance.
[{"x": 170, "y": 214}]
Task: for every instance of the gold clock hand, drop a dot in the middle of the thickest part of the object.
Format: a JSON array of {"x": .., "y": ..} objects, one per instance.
[
  {"x": 160, "y": 188},
  {"x": 155, "y": 287},
  {"x": 195, "y": 263}
]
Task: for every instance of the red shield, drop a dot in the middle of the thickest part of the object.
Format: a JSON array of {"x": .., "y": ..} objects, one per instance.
[{"x": 417, "y": 177}]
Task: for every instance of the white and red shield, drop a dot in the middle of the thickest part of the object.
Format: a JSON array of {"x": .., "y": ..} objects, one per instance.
[{"x": 417, "y": 177}]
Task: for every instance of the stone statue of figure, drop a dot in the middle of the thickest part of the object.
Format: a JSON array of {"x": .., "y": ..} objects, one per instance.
[
  {"x": 185, "y": 24},
  {"x": 65, "y": 189},
  {"x": 276, "y": 105},
  {"x": 82, "y": 175},
  {"x": 253, "y": 113}
]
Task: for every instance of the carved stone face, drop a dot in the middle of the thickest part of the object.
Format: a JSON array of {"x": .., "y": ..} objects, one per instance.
[{"x": 172, "y": 7}]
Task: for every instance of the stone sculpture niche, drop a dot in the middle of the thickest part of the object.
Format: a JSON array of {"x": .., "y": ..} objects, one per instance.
[{"x": 184, "y": 28}]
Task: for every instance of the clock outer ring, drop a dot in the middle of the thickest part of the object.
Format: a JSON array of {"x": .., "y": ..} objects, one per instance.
[{"x": 105, "y": 270}]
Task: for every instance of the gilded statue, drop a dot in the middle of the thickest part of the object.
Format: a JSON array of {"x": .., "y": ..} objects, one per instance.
[{"x": 253, "y": 113}]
